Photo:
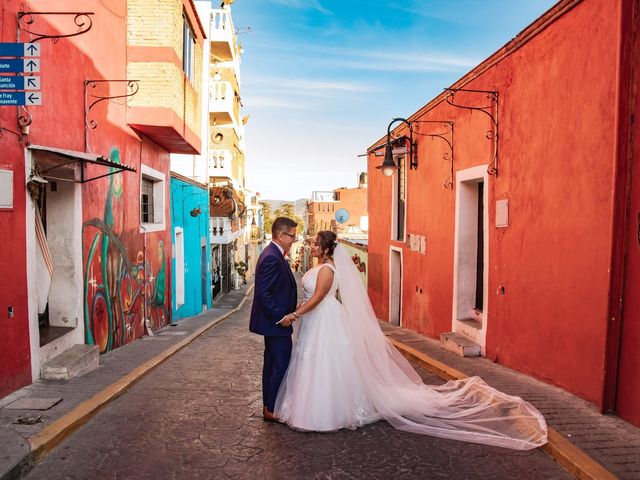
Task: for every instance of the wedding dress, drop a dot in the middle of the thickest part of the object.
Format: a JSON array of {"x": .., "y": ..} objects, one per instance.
[{"x": 344, "y": 373}]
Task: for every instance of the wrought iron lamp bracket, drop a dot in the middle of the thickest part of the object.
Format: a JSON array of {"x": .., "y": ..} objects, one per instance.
[
  {"x": 490, "y": 111},
  {"x": 81, "y": 19},
  {"x": 413, "y": 157},
  {"x": 132, "y": 86},
  {"x": 447, "y": 136}
]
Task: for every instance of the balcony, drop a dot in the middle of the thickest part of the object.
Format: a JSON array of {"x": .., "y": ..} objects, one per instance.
[
  {"x": 224, "y": 106},
  {"x": 221, "y": 230},
  {"x": 167, "y": 106},
  {"x": 222, "y": 37},
  {"x": 220, "y": 163}
]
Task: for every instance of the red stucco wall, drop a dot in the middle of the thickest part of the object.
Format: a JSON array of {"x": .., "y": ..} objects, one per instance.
[
  {"x": 556, "y": 152},
  {"x": 130, "y": 280}
]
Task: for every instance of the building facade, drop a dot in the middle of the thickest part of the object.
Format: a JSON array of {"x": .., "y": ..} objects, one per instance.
[
  {"x": 519, "y": 239},
  {"x": 341, "y": 211},
  {"x": 191, "y": 262},
  {"x": 229, "y": 223},
  {"x": 85, "y": 178}
]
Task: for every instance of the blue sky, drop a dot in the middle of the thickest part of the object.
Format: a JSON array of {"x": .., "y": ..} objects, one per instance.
[{"x": 322, "y": 79}]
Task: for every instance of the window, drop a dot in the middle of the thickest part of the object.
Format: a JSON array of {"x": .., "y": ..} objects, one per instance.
[
  {"x": 402, "y": 197},
  {"x": 146, "y": 201},
  {"x": 188, "y": 42},
  {"x": 152, "y": 199},
  {"x": 399, "y": 197}
]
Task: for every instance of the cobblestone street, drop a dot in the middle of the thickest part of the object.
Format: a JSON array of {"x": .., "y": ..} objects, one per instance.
[{"x": 199, "y": 416}]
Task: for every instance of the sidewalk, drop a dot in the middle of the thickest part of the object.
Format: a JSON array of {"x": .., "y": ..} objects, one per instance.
[
  {"x": 22, "y": 444},
  {"x": 607, "y": 439}
]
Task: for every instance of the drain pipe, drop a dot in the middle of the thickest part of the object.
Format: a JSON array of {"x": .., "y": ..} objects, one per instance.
[{"x": 147, "y": 323}]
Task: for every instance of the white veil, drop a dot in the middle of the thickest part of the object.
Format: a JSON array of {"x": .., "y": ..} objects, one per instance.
[{"x": 467, "y": 409}]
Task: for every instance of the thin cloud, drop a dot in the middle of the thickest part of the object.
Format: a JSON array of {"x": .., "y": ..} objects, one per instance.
[
  {"x": 272, "y": 102},
  {"x": 303, "y": 4},
  {"x": 305, "y": 84},
  {"x": 376, "y": 60}
]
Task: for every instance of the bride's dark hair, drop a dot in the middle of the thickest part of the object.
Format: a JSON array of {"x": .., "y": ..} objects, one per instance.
[{"x": 327, "y": 242}]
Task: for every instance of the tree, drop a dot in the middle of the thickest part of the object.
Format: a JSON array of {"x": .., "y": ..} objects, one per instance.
[
  {"x": 267, "y": 215},
  {"x": 287, "y": 210}
]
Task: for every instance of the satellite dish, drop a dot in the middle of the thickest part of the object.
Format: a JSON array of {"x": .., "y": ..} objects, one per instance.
[{"x": 342, "y": 215}]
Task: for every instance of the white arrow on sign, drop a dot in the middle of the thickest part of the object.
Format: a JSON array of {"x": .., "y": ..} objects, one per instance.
[
  {"x": 31, "y": 49},
  {"x": 33, "y": 98},
  {"x": 32, "y": 83}
]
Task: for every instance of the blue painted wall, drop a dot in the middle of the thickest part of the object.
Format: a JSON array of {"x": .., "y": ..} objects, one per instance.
[{"x": 185, "y": 197}]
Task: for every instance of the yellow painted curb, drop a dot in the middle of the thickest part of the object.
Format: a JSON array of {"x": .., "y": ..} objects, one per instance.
[
  {"x": 571, "y": 458},
  {"x": 51, "y": 435}
]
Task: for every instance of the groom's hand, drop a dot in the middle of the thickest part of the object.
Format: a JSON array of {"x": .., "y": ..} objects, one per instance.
[{"x": 288, "y": 320}]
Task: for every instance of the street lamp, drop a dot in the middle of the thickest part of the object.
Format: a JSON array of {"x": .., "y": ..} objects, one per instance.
[{"x": 389, "y": 165}]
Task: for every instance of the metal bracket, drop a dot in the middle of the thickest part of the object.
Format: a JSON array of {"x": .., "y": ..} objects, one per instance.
[
  {"x": 492, "y": 133},
  {"x": 81, "y": 19},
  {"x": 132, "y": 85},
  {"x": 448, "y": 138}
]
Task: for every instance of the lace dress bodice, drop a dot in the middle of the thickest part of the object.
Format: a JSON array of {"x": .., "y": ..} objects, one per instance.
[{"x": 310, "y": 279}]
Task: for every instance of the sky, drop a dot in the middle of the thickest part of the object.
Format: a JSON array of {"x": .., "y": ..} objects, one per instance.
[{"x": 322, "y": 79}]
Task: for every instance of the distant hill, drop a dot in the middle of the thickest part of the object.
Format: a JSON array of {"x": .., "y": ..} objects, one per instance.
[{"x": 298, "y": 205}]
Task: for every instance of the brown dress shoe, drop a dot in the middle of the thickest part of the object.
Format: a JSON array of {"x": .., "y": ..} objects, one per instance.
[{"x": 268, "y": 416}]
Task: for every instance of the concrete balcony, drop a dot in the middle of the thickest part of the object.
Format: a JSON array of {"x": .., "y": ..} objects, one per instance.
[
  {"x": 220, "y": 163},
  {"x": 224, "y": 106},
  {"x": 222, "y": 36},
  {"x": 221, "y": 231}
]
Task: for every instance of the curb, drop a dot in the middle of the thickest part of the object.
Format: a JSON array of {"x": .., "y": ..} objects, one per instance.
[
  {"x": 52, "y": 435},
  {"x": 571, "y": 458}
]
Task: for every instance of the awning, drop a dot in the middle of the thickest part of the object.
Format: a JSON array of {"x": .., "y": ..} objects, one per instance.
[{"x": 59, "y": 158}]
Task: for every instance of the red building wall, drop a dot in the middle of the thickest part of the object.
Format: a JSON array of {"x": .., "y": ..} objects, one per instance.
[
  {"x": 125, "y": 273},
  {"x": 556, "y": 152}
]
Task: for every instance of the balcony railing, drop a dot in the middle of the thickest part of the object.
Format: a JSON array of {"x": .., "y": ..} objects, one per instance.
[
  {"x": 223, "y": 104},
  {"x": 220, "y": 163},
  {"x": 222, "y": 37}
]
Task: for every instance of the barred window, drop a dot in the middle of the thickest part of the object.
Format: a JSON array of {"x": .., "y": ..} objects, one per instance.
[{"x": 146, "y": 201}]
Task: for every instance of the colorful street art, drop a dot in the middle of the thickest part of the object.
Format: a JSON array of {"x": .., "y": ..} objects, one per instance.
[{"x": 119, "y": 293}]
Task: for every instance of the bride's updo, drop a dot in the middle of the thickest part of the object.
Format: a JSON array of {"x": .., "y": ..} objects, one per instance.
[{"x": 327, "y": 242}]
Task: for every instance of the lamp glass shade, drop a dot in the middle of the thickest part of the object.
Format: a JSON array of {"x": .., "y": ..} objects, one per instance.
[{"x": 388, "y": 165}]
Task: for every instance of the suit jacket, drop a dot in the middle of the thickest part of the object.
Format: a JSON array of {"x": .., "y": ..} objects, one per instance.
[{"x": 275, "y": 294}]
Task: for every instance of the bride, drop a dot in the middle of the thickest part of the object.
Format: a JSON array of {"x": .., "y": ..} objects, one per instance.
[{"x": 344, "y": 373}]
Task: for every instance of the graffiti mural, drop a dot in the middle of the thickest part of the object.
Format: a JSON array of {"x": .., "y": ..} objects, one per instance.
[{"x": 120, "y": 293}]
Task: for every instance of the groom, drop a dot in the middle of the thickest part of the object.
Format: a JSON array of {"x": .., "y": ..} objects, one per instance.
[{"x": 275, "y": 296}]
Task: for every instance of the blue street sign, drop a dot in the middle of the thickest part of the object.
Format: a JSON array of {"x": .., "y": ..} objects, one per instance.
[
  {"x": 19, "y": 49},
  {"x": 20, "y": 98},
  {"x": 18, "y": 82},
  {"x": 18, "y": 65}
]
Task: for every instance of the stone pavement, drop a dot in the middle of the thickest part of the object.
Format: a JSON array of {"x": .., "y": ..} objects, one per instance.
[
  {"x": 606, "y": 438},
  {"x": 198, "y": 416},
  {"x": 14, "y": 448}
]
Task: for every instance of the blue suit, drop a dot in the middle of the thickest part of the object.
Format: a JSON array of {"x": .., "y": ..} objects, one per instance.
[{"x": 275, "y": 296}]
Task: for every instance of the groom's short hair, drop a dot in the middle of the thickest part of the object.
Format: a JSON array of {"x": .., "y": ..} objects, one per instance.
[{"x": 282, "y": 224}]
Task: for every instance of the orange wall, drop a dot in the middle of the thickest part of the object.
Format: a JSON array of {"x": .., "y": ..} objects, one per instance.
[{"x": 556, "y": 168}]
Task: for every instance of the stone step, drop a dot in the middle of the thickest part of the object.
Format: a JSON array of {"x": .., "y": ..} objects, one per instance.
[
  {"x": 74, "y": 362},
  {"x": 459, "y": 344}
]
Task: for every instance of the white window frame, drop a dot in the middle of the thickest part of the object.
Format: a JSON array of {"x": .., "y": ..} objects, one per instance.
[
  {"x": 180, "y": 265},
  {"x": 394, "y": 201},
  {"x": 159, "y": 199},
  {"x": 188, "y": 48}
]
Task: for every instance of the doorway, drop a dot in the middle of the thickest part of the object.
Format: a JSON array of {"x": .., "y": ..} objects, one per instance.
[{"x": 470, "y": 257}]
